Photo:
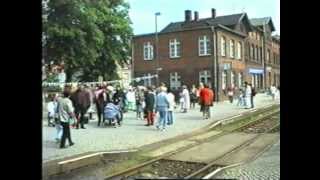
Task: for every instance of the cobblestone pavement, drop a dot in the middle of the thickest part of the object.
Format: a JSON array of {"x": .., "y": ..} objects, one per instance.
[
  {"x": 267, "y": 166},
  {"x": 133, "y": 134}
]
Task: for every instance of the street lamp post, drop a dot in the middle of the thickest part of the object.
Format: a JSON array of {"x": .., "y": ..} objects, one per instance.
[{"x": 157, "y": 59}]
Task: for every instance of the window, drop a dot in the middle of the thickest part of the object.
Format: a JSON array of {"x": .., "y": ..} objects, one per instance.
[
  {"x": 148, "y": 51},
  {"x": 223, "y": 46},
  {"x": 258, "y": 37},
  {"x": 260, "y": 54},
  {"x": 175, "y": 82},
  {"x": 256, "y": 53},
  {"x": 239, "y": 51},
  {"x": 252, "y": 80},
  {"x": 204, "y": 46},
  {"x": 268, "y": 55},
  {"x": 205, "y": 77},
  {"x": 147, "y": 81},
  {"x": 251, "y": 52},
  {"x": 224, "y": 80},
  {"x": 175, "y": 48},
  {"x": 274, "y": 59},
  {"x": 240, "y": 80},
  {"x": 232, "y": 48},
  {"x": 232, "y": 79}
]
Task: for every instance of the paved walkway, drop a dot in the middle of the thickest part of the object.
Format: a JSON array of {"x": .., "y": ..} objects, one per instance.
[{"x": 133, "y": 133}]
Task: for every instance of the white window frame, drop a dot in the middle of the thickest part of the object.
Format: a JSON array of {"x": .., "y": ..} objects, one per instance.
[
  {"x": 206, "y": 75},
  {"x": 223, "y": 46},
  {"x": 148, "y": 51},
  {"x": 174, "y": 48},
  {"x": 147, "y": 82},
  {"x": 224, "y": 80},
  {"x": 205, "y": 42},
  {"x": 232, "y": 79},
  {"x": 239, "y": 50},
  {"x": 239, "y": 79},
  {"x": 175, "y": 81},
  {"x": 231, "y": 48}
]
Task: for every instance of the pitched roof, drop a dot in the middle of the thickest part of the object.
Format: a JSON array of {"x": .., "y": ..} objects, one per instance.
[
  {"x": 228, "y": 20},
  {"x": 262, "y": 21}
]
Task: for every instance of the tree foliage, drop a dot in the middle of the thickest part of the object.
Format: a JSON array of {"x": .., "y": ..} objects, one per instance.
[{"x": 90, "y": 36}]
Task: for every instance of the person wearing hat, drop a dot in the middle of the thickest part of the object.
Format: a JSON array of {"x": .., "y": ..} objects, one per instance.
[{"x": 186, "y": 98}]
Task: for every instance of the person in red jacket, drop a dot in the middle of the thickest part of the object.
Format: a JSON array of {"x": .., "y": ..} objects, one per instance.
[{"x": 206, "y": 100}]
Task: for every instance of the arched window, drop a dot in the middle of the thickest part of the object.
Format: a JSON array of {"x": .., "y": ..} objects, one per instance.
[{"x": 223, "y": 46}]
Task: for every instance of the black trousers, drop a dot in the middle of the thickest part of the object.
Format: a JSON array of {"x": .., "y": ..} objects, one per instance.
[
  {"x": 252, "y": 105},
  {"x": 231, "y": 99},
  {"x": 100, "y": 114},
  {"x": 65, "y": 134}
]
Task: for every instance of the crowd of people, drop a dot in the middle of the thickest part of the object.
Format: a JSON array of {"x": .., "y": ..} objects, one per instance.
[{"x": 76, "y": 105}]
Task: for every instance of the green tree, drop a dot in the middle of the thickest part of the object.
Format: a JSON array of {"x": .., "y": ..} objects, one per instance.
[{"x": 90, "y": 36}]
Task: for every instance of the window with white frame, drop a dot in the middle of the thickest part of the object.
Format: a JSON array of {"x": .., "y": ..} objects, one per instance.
[
  {"x": 223, "y": 46},
  {"x": 147, "y": 80},
  {"x": 204, "y": 46},
  {"x": 224, "y": 80},
  {"x": 175, "y": 48},
  {"x": 239, "y": 79},
  {"x": 232, "y": 48},
  {"x": 148, "y": 51},
  {"x": 205, "y": 77},
  {"x": 175, "y": 81},
  {"x": 239, "y": 50},
  {"x": 232, "y": 79}
]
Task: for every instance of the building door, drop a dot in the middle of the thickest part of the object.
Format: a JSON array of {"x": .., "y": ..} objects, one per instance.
[{"x": 205, "y": 77}]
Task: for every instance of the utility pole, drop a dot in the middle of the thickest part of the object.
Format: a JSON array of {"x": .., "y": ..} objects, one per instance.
[{"x": 157, "y": 51}]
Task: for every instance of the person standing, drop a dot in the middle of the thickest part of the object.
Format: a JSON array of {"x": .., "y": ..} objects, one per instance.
[
  {"x": 186, "y": 98},
  {"x": 171, "y": 100},
  {"x": 273, "y": 90},
  {"x": 130, "y": 97},
  {"x": 139, "y": 102},
  {"x": 240, "y": 98},
  {"x": 193, "y": 96},
  {"x": 162, "y": 105},
  {"x": 66, "y": 114},
  {"x": 253, "y": 93},
  {"x": 206, "y": 100},
  {"x": 247, "y": 94},
  {"x": 230, "y": 94},
  {"x": 149, "y": 106},
  {"x": 51, "y": 107}
]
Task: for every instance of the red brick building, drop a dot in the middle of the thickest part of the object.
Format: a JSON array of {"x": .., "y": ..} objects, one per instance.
[{"x": 211, "y": 50}]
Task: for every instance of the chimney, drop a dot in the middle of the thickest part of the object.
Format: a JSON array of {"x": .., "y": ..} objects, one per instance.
[
  {"x": 196, "y": 16},
  {"x": 187, "y": 15},
  {"x": 213, "y": 13}
]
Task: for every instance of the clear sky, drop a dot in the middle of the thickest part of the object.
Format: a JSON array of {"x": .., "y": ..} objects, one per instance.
[{"x": 143, "y": 20}]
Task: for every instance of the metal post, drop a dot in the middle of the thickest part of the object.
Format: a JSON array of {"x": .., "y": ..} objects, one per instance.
[{"x": 157, "y": 59}]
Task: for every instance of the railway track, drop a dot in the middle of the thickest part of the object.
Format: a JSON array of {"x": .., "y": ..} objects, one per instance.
[{"x": 155, "y": 168}]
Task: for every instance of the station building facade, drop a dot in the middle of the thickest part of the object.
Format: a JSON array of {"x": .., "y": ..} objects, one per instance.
[{"x": 221, "y": 51}]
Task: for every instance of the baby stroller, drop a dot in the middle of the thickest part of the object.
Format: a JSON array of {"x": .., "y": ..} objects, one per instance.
[{"x": 113, "y": 114}]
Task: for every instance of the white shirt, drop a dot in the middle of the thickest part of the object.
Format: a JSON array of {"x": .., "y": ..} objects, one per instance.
[
  {"x": 51, "y": 107},
  {"x": 131, "y": 96},
  {"x": 171, "y": 101}
]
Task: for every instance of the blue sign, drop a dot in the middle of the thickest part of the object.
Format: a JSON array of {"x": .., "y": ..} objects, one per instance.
[{"x": 255, "y": 71}]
